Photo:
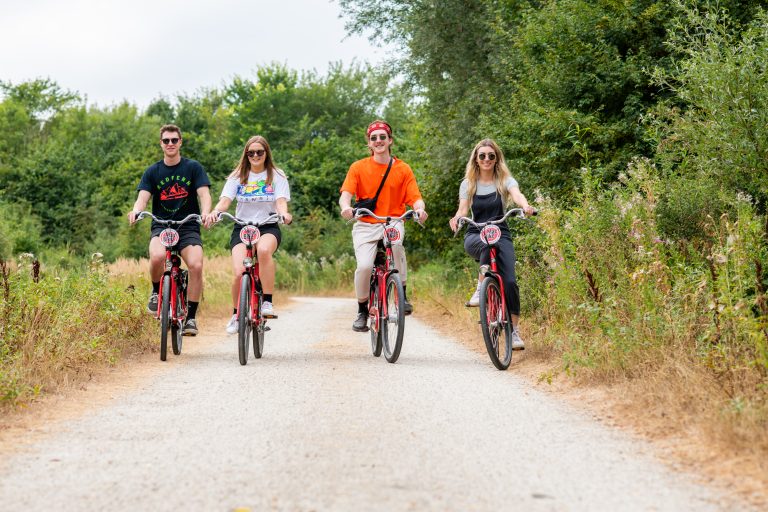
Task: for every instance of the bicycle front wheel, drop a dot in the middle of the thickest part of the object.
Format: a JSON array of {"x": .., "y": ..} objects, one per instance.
[
  {"x": 178, "y": 322},
  {"x": 495, "y": 324},
  {"x": 393, "y": 325},
  {"x": 244, "y": 319},
  {"x": 165, "y": 313}
]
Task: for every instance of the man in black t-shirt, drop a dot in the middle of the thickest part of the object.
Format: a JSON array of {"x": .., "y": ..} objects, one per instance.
[{"x": 175, "y": 185}]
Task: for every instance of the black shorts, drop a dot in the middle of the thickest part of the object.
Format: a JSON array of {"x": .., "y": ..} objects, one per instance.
[
  {"x": 187, "y": 236},
  {"x": 266, "y": 229}
]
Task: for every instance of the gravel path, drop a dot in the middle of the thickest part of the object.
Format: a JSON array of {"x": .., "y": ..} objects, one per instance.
[{"x": 320, "y": 424}]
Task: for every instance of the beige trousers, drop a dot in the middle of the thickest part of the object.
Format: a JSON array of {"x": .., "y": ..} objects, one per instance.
[{"x": 365, "y": 237}]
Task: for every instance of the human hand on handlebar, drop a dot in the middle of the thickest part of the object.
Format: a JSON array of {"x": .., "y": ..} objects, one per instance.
[
  {"x": 454, "y": 223},
  {"x": 132, "y": 217},
  {"x": 348, "y": 213},
  {"x": 211, "y": 218}
]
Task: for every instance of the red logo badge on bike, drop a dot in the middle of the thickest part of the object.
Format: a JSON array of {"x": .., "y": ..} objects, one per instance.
[
  {"x": 393, "y": 234},
  {"x": 490, "y": 234},
  {"x": 249, "y": 234},
  {"x": 175, "y": 191},
  {"x": 169, "y": 237}
]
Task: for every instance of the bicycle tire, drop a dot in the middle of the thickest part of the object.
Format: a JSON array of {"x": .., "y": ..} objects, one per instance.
[
  {"x": 243, "y": 320},
  {"x": 495, "y": 324},
  {"x": 373, "y": 306},
  {"x": 177, "y": 325},
  {"x": 258, "y": 331},
  {"x": 393, "y": 338},
  {"x": 165, "y": 313}
]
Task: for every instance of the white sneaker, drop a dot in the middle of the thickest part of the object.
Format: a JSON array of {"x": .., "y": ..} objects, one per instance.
[
  {"x": 267, "y": 311},
  {"x": 517, "y": 342},
  {"x": 474, "y": 301},
  {"x": 232, "y": 325}
]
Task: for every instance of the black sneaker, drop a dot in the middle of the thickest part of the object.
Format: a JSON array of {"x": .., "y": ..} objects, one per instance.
[
  {"x": 190, "y": 328},
  {"x": 407, "y": 307},
  {"x": 152, "y": 304},
  {"x": 361, "y": 323}
]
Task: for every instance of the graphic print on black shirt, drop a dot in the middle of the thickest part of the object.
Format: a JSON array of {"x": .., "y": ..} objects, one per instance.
[{"x": 174, "y": 188}]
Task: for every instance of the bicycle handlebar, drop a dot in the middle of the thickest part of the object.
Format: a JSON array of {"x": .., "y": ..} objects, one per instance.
[
  {"x": 365, "y": 212},
  {"x": 166, "y": 222},
  {"x": 275, "y": 217},
  {"x": 514, "y": 212}
]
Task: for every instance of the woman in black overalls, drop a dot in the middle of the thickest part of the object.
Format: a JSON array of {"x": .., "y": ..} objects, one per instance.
[{"x": 487, "y": 188}]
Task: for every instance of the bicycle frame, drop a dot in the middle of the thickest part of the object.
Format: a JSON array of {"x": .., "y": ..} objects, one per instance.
[
  {"x": 382, "y": 271},
  {"x": 490, "y": 234},
  {"x": 249, "y": 235},
  {"x": 169, "y": 238}
]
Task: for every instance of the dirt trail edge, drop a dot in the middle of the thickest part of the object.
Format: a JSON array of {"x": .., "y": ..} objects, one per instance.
[{"x": 320, "y": 424}]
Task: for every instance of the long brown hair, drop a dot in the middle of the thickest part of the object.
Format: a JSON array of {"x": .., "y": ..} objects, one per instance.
[
  {"x": 500, "y": 171},
  {"x": 243, "y": 168}
]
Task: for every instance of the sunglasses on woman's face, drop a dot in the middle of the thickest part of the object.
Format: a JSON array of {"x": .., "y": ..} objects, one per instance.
[
  {"x": 174, "y": 140},
  {"x": 491, "y": 156},
  {"x": 257, "y": 152},
  {"x": 382, "y": 136}
]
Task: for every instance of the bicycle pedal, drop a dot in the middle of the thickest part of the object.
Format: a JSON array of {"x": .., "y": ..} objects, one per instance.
[{"x": 267, "y": 328}]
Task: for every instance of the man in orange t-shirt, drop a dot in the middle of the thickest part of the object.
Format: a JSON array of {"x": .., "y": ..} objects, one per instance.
[{"x": 400, "y": 189}]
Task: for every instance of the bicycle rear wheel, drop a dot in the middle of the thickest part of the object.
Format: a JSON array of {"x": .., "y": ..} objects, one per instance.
[
  {"x": 495, "y": 324},
  {"x": 393, "y": 325},
  {"x": 258, "y": 331},
  {"x": 165, "y": 313},
  {"x": 374, "y": 308},
  {"x": 177, "y": 325},
  {"x": 244, "y": 319}
]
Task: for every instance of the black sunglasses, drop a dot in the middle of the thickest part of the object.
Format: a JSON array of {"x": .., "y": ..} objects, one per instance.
[
  {"x": 491, "y": 156},
  {"x": 257, "y": 152},
  {"x": 382, "y": 136},
  {"x": 174, "y": 140}
]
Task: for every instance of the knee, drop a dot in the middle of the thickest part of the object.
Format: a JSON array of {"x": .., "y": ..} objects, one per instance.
[{"x": 195, "y": 267}]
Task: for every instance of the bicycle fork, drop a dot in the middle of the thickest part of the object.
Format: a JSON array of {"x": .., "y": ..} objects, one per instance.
[{"x": 494, "y": 272}]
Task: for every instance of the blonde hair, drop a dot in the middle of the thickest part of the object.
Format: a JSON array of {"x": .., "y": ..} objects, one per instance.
[
  {"x": 243, "y": 167},
  {"x": 500, "y": 171}
]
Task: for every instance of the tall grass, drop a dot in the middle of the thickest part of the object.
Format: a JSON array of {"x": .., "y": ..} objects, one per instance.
[{"x": 57, "y": 329}]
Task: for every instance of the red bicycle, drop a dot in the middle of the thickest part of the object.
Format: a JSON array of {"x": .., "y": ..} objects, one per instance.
[
  {"x": 250, "y": 321},
  {"x": 386, "y": 317},
  {"x": 172, "y": 303},
  {"x": 495, "y": 319}
]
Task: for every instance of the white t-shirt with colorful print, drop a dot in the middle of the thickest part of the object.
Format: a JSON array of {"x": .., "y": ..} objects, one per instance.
[{"x": 256, "y": 199}]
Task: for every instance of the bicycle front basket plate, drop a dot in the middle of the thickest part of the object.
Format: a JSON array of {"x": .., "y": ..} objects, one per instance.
[
  {"x": 393, "y": 234},
  {"x": 249, "y": 234},
  {"x": 490, "y": 234},
  {"x": 169, "y": 237}
]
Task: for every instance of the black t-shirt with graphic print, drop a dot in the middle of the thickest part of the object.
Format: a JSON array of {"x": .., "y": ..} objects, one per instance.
[{"x": 174, "y": 189}]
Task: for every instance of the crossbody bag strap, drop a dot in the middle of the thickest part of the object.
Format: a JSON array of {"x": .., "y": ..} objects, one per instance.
[{"x": 381, "y": 185}]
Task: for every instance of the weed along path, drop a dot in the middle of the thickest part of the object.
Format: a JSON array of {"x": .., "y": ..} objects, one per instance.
[{"x": 320, "y": 424}]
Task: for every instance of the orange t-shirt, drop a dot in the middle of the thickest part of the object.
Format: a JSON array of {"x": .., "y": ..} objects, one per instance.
[{"x": 400, "y": 189}]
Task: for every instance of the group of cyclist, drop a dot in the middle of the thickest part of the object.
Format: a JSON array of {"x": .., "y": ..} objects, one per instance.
[{"x": 381, "y": 182}]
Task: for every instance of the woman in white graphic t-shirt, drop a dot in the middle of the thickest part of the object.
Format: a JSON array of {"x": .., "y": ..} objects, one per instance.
[{"x": 260, "y": 189}]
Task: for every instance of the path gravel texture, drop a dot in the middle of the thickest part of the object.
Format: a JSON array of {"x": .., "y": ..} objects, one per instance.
[{"x": 320, "y": 424}]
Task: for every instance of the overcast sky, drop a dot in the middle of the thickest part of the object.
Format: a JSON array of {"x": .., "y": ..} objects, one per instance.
[{"x": 109, "y": 50}]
